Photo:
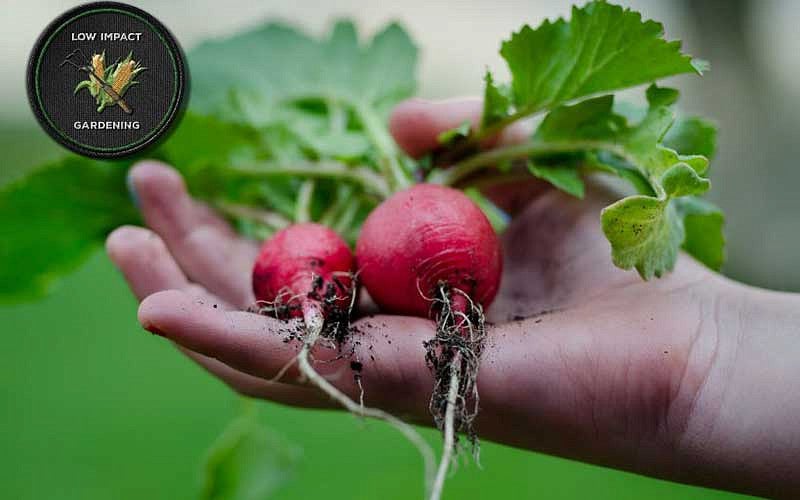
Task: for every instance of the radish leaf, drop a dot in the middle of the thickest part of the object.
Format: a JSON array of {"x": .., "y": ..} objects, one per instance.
[
  {"x": 53, "y": 218},
  {"x": 565, "y": 178},
  {"x": 646, "y": 230},
  {"x": 602, "y": 48},
  {"x": 276, "y": 69},
  {"x": 703, "y": 222}
]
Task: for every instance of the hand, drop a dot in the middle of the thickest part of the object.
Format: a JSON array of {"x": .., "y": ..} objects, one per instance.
[{"x": 690, "y": 378}]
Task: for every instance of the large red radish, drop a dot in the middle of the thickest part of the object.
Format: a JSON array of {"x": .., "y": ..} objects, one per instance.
[
  {"x": 430, "y": 251},
  {"x": 421, "y": 238}
]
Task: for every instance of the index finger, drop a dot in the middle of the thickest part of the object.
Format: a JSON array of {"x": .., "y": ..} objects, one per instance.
[{"x": 385, "y": 353}]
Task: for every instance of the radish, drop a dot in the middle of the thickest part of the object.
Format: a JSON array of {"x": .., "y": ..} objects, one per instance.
[
  {"x": 306, "y": 271},
  {"x": 430, "y": 251}
]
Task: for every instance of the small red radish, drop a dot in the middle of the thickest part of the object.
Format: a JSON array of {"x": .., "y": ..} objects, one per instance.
[
  {"x": 421, "y": 238},
  {"x": 303, "y": 271},
  {"x": 430, "y": 251}
]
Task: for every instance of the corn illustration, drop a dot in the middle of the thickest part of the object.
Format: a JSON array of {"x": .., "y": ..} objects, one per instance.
[
  {"x": 123, "y": 76},
  {"x": 99, "y": 64},
  {"x": 120, "y": 76}
]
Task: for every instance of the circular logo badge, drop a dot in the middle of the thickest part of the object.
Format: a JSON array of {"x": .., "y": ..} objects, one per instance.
[{"x": 106, "y": 80}]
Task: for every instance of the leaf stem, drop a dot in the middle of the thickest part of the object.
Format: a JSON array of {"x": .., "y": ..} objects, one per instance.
[
  {"x": 367, "y": 178},
  {"x": 337, "y": 117},
  {"x": 343, "y": 193},
  {"x": 379, "y": 135},
  {"x": 345, "y": 220},
  {"x": 474, "y": 140},
  {"x": 473, "y": 164},
  {"x": 303, "y": 208},
  {"x": 272, "y": 220}
]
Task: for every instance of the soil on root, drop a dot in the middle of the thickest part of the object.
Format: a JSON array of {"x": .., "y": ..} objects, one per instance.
[
  {"x": 457, "y": 346},
  {"x": 337, "y": 329}
]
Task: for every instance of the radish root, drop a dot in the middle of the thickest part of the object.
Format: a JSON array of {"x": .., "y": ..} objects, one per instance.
[
  {"x": 449, "y": 434},
  {"x": 407, "y": 430},
  {"x": 316, "y": 329},
  {"x": 453, "y": 356}
]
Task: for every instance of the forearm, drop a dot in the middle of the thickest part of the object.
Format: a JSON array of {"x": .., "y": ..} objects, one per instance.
[{"x": 743, "y": 432}]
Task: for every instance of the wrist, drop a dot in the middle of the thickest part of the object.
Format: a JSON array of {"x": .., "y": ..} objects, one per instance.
[{"x": 742, "y": 432}]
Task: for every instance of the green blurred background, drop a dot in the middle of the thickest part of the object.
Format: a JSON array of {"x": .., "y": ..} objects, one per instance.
[{"x": 92, "y": 407}]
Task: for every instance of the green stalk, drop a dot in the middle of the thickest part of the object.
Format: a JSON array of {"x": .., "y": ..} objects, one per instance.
[
  {"x": 387, "y": 150},
  {"x": 303, "y": 208},
  {"x": 345, "y": 221},
  {"x": 474, "y": 140},
  {"x": 272, "y": 220},
  {"x": 533, "y": 148},
  {"x": 343, "y": 193},
  {"x": 337, "y": 115},
  {"x": 366, "y": 177}
]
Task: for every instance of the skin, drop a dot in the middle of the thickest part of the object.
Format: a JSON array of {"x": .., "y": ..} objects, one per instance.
[{"x": 691, "y": 378}]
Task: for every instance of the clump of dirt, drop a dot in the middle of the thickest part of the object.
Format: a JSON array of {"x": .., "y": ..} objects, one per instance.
[{"x": 338, "y": 330}]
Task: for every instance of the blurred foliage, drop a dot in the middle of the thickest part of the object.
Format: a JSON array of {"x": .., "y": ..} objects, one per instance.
[
  {"x": 249, "y": 461},
  {"x": 54, "y": 218}
]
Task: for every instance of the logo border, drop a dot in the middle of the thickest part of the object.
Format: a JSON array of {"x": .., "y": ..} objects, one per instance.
[{"x": 176, "y": 108}]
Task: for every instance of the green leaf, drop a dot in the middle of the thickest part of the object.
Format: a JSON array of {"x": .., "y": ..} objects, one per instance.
[
  {"x": 565, "y": 178},
  {"x": 602, "y": 48},
  {"x": 683, "y": 180},
  {"x": 276, "y": 66},
  {"x": 85, "y": 84},
  {"x": 646, "y": 230},
  {"x": 52, "y": 219},
  {"x": 454, "y": 134},
  {"x": 705, "y": 239},
  {"x": 496, "y": 101},
  {"x": 326, "y": 99},
  {"x": 387, "y": 73},
  {"x": 205, "y": 140},
  {"x": 345, "y": 146},
  {"x": 605, "y": 162},
  {"x": 248, "y": 462},
  {"x": 645, "y": 233},
  {"x": 689, "y": 135},
  {"x": 661, "y": 96},
  {"x": 693, "y": 135},
  {"x": 589, "y": 120}
]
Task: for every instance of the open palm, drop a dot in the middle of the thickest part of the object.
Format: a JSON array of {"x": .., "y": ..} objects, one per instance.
[{"x": 582, "y": 359}]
